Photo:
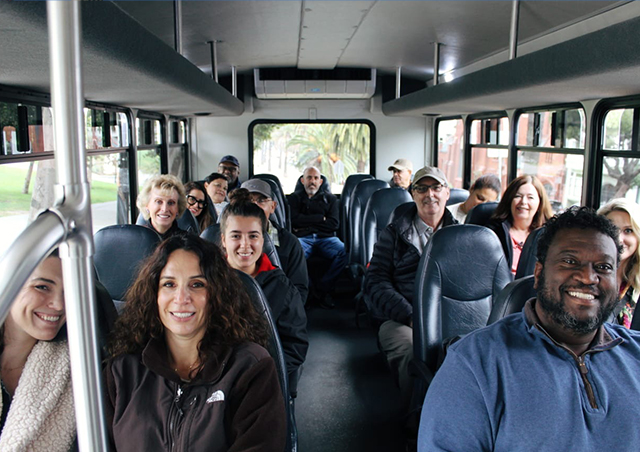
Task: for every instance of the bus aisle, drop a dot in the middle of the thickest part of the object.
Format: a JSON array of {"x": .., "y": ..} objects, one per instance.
[{"x": 347, "y": 400}]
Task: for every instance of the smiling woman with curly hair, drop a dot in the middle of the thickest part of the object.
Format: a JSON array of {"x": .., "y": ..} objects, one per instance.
[{"x": 187, "y": 366}]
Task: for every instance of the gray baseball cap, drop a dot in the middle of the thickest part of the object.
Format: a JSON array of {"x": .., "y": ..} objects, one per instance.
[
  {"x": 401, "y": 164},
  {"x": 258, "y": 186},
  {"x": 430, "y": 171}
]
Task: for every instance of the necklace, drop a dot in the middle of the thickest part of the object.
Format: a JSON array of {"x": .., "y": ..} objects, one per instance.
[{"x": 191, "y": 367}]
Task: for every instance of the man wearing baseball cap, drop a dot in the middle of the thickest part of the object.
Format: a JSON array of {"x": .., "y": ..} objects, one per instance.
[
  {"x": 230, "y": 167},
  {"x": 402, "y": 169},
  {"x": 289, "y": 250},
  {"x": 390, "y": 278}
]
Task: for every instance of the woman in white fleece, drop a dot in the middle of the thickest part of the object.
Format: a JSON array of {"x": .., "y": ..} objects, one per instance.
[{"x": 37, "y": 401}]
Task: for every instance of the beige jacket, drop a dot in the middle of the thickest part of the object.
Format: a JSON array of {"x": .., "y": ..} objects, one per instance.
[{"x": 41, "y": 417}]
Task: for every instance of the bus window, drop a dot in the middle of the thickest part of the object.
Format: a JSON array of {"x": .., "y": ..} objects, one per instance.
[
  {"x": 28, "y": 188},
  {"x": 177, "y": 149},
  {"x": 149, "y": 134},
  {"x": 621, "y": 162},
  {"x": 550, "y": 145},
  {"x": 337, "y": 149},
  {"x": 26, "y": 129},
  {"x": 450, "y": 136},
  {"x": 489, "y": 153}
]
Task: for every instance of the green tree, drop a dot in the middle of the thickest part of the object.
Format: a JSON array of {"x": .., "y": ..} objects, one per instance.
[{"x": 325, "y": 145}]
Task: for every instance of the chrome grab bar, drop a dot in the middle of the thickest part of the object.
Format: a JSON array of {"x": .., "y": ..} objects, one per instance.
[{"x": 24, "y": 255}]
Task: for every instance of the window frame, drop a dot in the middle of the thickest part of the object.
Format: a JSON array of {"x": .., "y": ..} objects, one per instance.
[{"x": 372, "y": 138}]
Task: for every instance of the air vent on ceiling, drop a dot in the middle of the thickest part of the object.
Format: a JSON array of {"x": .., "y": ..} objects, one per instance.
[{"x": 314, "y": 84}]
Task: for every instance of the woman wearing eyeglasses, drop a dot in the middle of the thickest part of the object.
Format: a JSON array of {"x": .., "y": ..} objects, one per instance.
[
  {"x": 162, "y": 201},
  {"x": 197, "y": 204},
  {"x": 524, "y": 207}
]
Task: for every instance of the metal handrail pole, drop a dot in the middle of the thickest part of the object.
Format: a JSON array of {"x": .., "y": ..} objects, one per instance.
[
  {"x": 24, "y": 255},
  {"x": 74, "y": 206}
]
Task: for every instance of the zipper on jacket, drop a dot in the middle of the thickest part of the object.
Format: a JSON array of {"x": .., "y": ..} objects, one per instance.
[
  {"x": 582, "y": 367},
  {"x": 583, "y": 373},
  {"x": 175, "y": 415}
]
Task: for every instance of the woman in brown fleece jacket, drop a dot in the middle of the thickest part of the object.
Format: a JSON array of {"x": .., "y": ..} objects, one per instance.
[{"x": 186, "y": 371}]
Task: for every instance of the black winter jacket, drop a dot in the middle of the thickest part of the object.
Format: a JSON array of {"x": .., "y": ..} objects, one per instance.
[
  {"x": 233, "y": 404},
  {"x": 293, "y": 262},
  {"x": 288, "y": 314},
  {"x": 391, "y": 274},
  {"x": 174, "y": 229},
  {"x": 319, "y": 214},
  {"x": 501, "y": 228}
]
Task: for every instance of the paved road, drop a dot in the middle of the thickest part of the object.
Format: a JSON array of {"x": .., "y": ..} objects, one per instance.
[{"x": 103, "y": 214}]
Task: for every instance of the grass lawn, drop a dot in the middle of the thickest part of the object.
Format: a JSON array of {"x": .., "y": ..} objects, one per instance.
[{"x": 13, "y": 202}]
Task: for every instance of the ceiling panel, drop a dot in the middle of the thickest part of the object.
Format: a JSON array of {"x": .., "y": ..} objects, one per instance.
[
  {"x": 327, "y": 29},
  {"x": 382, "y": 34}
]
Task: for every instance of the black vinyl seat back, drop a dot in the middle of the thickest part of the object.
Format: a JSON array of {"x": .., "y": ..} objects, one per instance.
[
  {"x": 212, "y": 234},
  {"x": 512, "y": 298},
  {"x": 376, "y": 216},
  {"x": 186, "y": 222},
  {"x": 457, "y": 195},
  {"x": 461, "y": 272},
  {"x": 212, "y": 209},
  {"x": 345, "y": 199},
  {"x": 324, "y": 188},
  {"x": 359, "y": 199},
  {"x": 271, "y": 177},
  {"x": 119, "y": 250},
  {"x": 528, "y": 257},
  {"x": 481, "y": 214},
  {"x": 274, "y": 347},
  {"x": 280, "y": 213}
]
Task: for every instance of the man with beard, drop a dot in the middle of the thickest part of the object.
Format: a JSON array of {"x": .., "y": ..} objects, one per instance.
[
  {"x": 391, "y": 274},
  {"x": 554, "y": 377},
  {"x": 315, "y": 220}
]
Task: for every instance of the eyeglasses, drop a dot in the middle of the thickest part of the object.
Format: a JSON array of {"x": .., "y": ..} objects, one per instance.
[
  {"x": 192, "y": 200},
  {"x": 261, "y": 200},
  {"x": 230, "y": 169},
  {"x": 422, "y": 189}
]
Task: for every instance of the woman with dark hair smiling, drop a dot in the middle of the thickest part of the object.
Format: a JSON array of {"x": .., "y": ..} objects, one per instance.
[
  {"x": 523, "y": 208},
  {"x": 187, "y": 367},
  {"x": 198, "y": 205},
  {"x": 243, "y": 225}
]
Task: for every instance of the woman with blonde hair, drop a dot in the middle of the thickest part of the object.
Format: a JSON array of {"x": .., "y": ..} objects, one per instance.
[
  {"x": 523, "y": 208},
  {"x": 625, "y": 215},
  {"x": 162, "y": 201}
]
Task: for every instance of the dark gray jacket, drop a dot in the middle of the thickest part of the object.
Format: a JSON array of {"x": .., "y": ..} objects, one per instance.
[{"x": 392, "y": 272}]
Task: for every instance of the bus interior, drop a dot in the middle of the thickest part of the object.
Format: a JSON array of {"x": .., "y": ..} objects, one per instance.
[{"x": 549, "y": 88}]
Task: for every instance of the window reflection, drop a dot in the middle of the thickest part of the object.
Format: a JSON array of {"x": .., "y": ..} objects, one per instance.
[
  {"x": 451, "y": 149},
  {"x": 561, "y": 175}
]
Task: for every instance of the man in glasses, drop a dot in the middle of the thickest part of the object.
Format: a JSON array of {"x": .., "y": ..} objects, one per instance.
[
  {"x": 287, "y": 246},
  {"x": 390, "y": 278},
  {"x": 230, "y": 167}
]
